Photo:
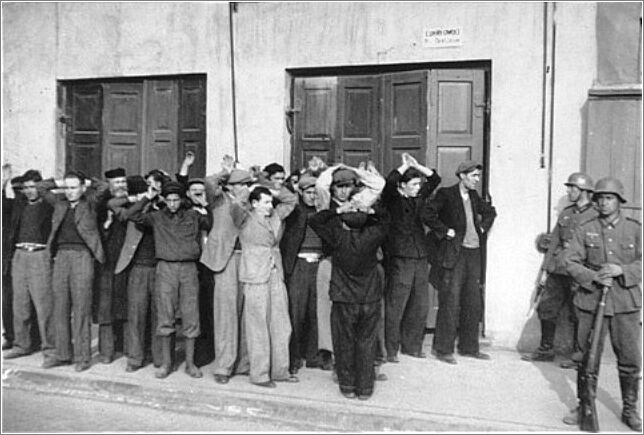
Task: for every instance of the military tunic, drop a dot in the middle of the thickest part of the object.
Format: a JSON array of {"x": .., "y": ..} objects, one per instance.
[{"x": 597, "y": 242}]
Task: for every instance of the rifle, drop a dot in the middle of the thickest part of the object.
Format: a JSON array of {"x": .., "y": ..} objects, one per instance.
[
  {"x": 538, "y": 294},
  {"x": 588, "y": 373}
]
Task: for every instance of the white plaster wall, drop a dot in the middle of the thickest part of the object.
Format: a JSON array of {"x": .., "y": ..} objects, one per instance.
[{"x": 44, "y": 42}]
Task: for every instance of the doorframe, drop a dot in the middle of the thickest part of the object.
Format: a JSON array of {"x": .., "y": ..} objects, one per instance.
[
  {"x": 62, "y": 97},
  {"x": 484, "y": 65}
]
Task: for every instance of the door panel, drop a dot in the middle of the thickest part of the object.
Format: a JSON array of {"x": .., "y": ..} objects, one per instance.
[
  {"x": 358, "y": 120},
  {"x": 84, "y": 108},
  {"x": 405, "y": 117},
  {"x": 160, "y": 149},
  {"x": 122, "y": 126},
  {"x": 314, "y": 120},
  {"x": 192, "y": 123},
  {"x": 456, "y": 121}
]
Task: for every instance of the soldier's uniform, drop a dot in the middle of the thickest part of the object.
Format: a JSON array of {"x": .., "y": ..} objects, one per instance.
[
  {"x": 597, "y": 242},
  {"x": 558, "y": 289}
]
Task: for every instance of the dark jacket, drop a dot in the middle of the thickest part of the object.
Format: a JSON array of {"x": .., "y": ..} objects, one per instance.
[
  {"x": 294, "y": 232},
  {"x": 446, "y": 211},
  {"x": 84, "y": 216},
  {"x": 406, "y": 236},
  {"x": 354, "y": 272},
  {"x": 7, "y": 248}
]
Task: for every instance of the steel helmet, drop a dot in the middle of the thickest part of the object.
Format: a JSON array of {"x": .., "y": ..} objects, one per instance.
[
  {"x": 581, "y": 180},
  {"x": 610, "y": 185}
]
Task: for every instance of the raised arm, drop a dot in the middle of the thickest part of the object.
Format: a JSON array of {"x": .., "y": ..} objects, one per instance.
[{"x": 287, "y": 202}]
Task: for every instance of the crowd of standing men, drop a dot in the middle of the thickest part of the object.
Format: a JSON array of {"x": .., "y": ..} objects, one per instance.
[{"x": 264, "y": 273}]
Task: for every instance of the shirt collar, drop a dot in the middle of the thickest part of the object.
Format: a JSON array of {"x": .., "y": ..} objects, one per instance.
[{"x": 610, "y": 224}]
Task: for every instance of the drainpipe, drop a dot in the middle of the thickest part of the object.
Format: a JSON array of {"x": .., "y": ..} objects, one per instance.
[
  {"x": 548, "y": 96},
  {"x": 232, "y": 8}
]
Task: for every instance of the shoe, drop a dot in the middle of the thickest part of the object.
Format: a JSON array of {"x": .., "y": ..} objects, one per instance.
[
  {"x": 293, "y": 371},
  {"x": 572, "y": 418},
  {"x": 267, "y": 384},
  {"x": 381, "y": 377},
  {"x": 131, "y": 367},
  {"x": 393, "y": 359},
  {"x": 570, "y": 364},
  {"x": 6, "y": 344},
  {"x": 50, "y": 363},
  {"x": 82, "y": 366},
  {"x": 15, "y": 353},
  {"x": 327, "y": 365},
  {"x": 104, "y": 359},
  {"x": 292, "y": 379},
  {"x": 446, "y": 358},
  {"x": 222, "y": 379},
  {"x": 162, "y": 373},
  {"x": 545, "y": 355},
  {"x": 349, "y": 394},
  {"x": 364, "y": 396},
  {"x": 477, "y": 355},
  {"x": 193, "y": 372},
  {"x": 417, "y": 354}
]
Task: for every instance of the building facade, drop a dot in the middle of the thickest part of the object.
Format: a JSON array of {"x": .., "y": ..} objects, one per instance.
[{"x": 535, "y": 91}]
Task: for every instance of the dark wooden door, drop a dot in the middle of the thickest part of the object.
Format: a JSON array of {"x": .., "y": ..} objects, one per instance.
[
  {"x": 358, "y": 126},
  {"x": 83, "y": 124},
  {"x": 456, "y": 121},
  {"x": 404, "y": 117},
  {"x": 192, "y": 123},
  {"x": 160, "y": 150},
  {"x": 314, "y": 120},
  {"x": 122, "y": 118}
]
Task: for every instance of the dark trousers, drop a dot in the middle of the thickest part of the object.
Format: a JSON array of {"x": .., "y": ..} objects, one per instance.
[
  {"x": 406, "y": 305},
  {"x": 302, "y": 298},
  {"x": 31, "y": 282},
  {"x": 7, "y": 308},
  {"x": 354, "y": 332},
  {"x": 625, "y": 335},
  {"x": 557, "y": 294},
  {"x": 459, "y": 305},
  {"x": 204, "y": 344},
  {"x": 177, "y": 286},
  {"x": 73, "y": 277},
  {"x": 142, "y": 316}
]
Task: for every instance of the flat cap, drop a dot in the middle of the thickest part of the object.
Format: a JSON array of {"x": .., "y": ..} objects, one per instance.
[
  {"x": 468, "y": 166},
  {"x": 238, "y": 176},
  {"x": 115, "y": 173},
  {"x": 344, "y": 177},
  {"x": 306, "y": 181},
  {"x": 196, "y": 181},
  {"x": 173, "y": 187},
  {"x": 136, "y": 184}
]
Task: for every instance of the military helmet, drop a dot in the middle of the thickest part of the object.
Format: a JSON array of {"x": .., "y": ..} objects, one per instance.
[
  {"x": 581, "y": 180},
  {"x": 610, "y": 185}
]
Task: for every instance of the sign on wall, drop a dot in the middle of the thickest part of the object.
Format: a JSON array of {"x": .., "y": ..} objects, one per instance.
[{"x": 441, "y": 37}]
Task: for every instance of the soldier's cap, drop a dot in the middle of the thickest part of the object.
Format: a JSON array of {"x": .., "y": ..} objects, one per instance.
[
  {"x": 344, "y": 177},
  {"x": 136, "y": 184},
  {"x": 239, "y": 176},
  {"x": 306, "y": 181},
  {"x": 115, "y": 173},
  {"x": 173, "y": 187},
  {"x": 354, "y": 219},
  {"x": 468, "y": 166},
  {"x": 196, "y": 181}
]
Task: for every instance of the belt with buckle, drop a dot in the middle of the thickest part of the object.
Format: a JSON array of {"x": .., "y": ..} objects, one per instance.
[
  {"x": 310, "y": 257},
  {"x": 31, "y": 247}
]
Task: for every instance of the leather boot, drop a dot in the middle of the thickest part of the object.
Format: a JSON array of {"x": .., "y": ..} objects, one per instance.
[
  {"x": 630, "y": 394},
  {"x": 545, "y": 352},
  {"x": 166, "y": 364},
  {"x": 191, "y": 369}
]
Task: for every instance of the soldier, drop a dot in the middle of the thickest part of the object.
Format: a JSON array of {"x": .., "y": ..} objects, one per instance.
[
  {"x": 606, "y": 250},
  {"x": 557, "y": 291}
]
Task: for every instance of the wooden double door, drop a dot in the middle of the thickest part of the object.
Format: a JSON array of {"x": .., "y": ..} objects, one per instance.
[
  {"x": 138, "y": 124},
  {"x": 436, "y": 115}
]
